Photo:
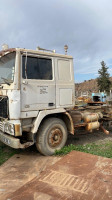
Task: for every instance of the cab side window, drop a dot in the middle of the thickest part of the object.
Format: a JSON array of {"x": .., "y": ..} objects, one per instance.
[{"x": 36, "y": 68}]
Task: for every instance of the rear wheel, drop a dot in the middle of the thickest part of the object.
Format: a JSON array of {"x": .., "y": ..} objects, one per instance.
[{"x": 51, "y": 136}]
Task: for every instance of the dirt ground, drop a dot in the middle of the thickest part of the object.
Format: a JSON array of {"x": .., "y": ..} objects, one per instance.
[
  {"x": 76, "y": 176},
  {"x": 82, "y": 138},
  {"x": 18, "y": 170}
]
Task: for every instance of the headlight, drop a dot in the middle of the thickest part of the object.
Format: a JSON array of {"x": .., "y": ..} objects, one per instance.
[{"x": 9, "y": 128}]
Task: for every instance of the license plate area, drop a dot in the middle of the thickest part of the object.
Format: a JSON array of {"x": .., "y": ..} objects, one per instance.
[{"x": 6, "y": 141}]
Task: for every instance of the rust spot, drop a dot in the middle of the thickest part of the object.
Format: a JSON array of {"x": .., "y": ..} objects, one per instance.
[
  {"x": 104, "y": 130},
  {"x": 24, "y": 89},
  {"x": 4, "y": 52},
  {"x": 55, "y": 137},
  {"x": 69, "y": 123}
]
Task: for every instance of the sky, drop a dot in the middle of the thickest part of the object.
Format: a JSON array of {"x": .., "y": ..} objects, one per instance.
[{"x": 84, "y": 25}]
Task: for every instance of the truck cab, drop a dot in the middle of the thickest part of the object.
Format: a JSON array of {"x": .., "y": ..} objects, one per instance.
[{"x": 36, "y": 90}]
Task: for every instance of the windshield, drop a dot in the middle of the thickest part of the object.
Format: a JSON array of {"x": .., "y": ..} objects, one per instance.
[{"x": 7, "y": 68}]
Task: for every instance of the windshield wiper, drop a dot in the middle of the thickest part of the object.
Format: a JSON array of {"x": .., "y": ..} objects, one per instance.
[{"x": 8, "y": 82}]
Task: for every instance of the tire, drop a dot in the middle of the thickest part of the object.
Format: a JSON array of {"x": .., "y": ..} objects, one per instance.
[{"x": 51, "y": 136}]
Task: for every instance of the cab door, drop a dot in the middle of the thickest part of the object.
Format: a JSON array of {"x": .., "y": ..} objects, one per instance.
[
  {"x": 38, "y": 84},
  {"x": 64, "y": 83}
]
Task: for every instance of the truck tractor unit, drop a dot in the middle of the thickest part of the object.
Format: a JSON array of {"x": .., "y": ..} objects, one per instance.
[{"x": 37, "y": 100}]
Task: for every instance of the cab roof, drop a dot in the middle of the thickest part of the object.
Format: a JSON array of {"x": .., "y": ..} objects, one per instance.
[{"x": 30, "y": 51}]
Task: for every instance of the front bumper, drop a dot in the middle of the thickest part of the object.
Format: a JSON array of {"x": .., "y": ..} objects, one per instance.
[{"x": 13, "y": 142}]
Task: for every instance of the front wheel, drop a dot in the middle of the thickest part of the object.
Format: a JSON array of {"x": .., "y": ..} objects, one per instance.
[{"x": 51, "y": 136}]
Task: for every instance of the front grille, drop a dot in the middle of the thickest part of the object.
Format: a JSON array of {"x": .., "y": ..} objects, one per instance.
[{"x": 3, "y": 107}]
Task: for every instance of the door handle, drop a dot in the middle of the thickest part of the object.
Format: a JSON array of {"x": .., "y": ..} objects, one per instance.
[{"x": 51, "y": 104}]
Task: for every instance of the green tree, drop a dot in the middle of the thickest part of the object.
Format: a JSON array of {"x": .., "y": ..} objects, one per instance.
[{"x": 103, "y": 79}]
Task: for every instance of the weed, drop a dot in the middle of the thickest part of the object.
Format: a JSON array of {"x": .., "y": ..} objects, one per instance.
[
  {"x": 104, "y": 150},
  {"x": 6, "y": 152}
]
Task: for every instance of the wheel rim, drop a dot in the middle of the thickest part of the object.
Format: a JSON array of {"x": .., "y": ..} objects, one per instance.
[{"x": 55, "y": 137}]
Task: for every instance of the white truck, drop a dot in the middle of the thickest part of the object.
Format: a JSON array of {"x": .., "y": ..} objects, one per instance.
[{"x": 36, "y": 95}]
